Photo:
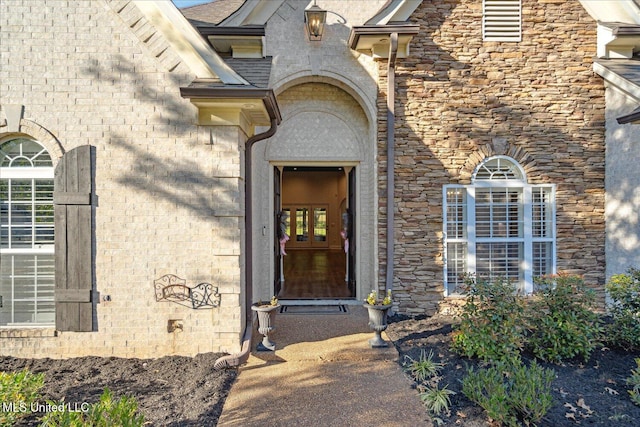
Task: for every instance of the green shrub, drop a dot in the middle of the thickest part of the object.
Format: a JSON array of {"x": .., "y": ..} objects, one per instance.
[
  {"x": 561, "y": 320},
  {"x": 487, "y": 388},
  {"x": 530, "y": 392},
  {"x": 106, "y": 413},
  {"x": 624, "y": 290},
  {"x": 491, "y": 326},
  {"x": 18, "y": 390},
  {"x": 511, "y": 392},
  {"x": 634, "y": 382}
]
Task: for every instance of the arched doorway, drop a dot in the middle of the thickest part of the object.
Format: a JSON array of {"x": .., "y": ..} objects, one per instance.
[
  {"x": 315, "y": 239},
  {"x": 318, "y": 165}
]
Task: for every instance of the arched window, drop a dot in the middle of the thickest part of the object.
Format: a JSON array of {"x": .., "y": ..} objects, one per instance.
[
  {"x": 26, "y": 234},
  {"x": 499, "y": 226}
]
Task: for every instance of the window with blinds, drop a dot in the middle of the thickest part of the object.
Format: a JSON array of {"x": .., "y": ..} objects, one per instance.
[
  {"x": 498, "y": 227},
  {"x": 502, "y": 20},
  {"x": 27, "y": 267}
]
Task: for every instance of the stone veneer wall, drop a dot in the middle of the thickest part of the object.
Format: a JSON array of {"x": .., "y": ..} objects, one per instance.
[
  {"x": 170, "y": 192},
  {"x": 460, "y": 100}
]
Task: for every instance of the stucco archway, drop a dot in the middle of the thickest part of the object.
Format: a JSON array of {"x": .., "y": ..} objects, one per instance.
[{"x": 322, "y": 125}]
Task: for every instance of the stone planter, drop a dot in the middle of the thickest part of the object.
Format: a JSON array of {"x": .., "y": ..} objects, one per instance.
[
  {"x": 378, "y": 322},
  {"x": 266, "y": 324}
]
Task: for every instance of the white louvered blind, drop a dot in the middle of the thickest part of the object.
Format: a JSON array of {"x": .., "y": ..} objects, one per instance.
[
  {"x": 502, "y": 20},
  {"x": 499, "y": 226}
]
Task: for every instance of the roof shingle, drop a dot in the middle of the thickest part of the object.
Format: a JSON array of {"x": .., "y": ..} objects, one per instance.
[{"x": 211, "y": 13}]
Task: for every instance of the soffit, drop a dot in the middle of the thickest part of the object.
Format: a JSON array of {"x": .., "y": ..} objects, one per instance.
[
  {"x": 374, "y": 40},
  {"x": 242, "y": 106}
]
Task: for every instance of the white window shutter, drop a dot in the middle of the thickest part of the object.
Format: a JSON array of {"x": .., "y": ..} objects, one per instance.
[{"x": 502, "y": 20}]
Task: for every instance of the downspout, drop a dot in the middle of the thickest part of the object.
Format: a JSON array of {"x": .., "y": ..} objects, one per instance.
[
  {"x": 237, "y": 359},
  {"x": 391, "y": 100}
]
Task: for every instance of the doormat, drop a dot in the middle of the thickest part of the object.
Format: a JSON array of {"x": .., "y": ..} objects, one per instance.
[{"x": 314, "y": 309}]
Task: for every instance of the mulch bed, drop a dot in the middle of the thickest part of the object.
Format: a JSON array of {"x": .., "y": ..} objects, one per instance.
[
  {"x": 598, "y": 384},
  {"x": 171, "y": 391},
  {"x": 185, "y": 391}
]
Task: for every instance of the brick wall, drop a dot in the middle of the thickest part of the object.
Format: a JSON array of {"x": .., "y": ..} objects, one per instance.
[
  {"x": 460, "y": 100},
  {"x": 170, "y": 192}
]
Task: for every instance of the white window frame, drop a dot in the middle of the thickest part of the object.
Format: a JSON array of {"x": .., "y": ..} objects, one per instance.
[
  {"x": 526, "y": 262},
  {"x": 27, "y": 173},
  {"x": 502, "y": 20}
]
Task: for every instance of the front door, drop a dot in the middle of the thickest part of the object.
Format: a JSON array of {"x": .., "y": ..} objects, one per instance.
[{"x": 311, "y": 212}]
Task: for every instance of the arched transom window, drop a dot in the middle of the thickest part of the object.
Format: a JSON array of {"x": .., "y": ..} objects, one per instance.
[
  {"x": 499, "y": 226},
  {"x": 26, "y": 234}
]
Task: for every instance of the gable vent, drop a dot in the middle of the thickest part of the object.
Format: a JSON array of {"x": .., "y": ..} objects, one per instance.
[{"x": 502, "y": 20}]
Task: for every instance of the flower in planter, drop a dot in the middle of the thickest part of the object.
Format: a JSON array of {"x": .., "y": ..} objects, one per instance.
[
  {"x": 372, "y": 298},
  {"x": 272, "y": 303}
]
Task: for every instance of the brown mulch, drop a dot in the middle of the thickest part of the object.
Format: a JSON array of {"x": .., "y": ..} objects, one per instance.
[
  {"x": 170, "y": 391},
  {"x": 186, "y": 391},
  {"x": 600, "y": 382}
]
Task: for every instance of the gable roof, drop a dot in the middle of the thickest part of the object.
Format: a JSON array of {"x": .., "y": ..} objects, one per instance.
[
  {"x": 394, "y": 11},
  {"x": 624, "y": 74},
  {"x": 163, "y": 30},
  {"x": 211, "y": 13}
]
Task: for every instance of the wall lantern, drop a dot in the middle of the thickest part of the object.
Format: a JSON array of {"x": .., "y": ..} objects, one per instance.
[{"x": 315, "y": 18}]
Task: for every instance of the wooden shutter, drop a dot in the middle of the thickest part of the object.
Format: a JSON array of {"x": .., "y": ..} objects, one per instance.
[
  {"x": 73, "y": 198},
  {"x": 501, "y": 20}
]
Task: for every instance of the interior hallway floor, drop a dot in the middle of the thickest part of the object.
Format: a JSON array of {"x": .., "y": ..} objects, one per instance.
[{"x": 314, "y": 274}]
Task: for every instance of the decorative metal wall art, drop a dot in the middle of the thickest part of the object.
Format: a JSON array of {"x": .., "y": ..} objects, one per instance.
[{"x": 174, "y": 289}]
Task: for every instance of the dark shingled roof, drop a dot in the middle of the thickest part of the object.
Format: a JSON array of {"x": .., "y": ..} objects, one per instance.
[
  {"x": 255, "y": 70},
  {"x": 628, "y": 69},
  {"x": 211, "y": 13}
]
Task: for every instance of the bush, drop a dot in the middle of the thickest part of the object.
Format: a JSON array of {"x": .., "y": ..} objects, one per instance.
[
  {"x": 624, "y": 290},
  {"x": 561, "y": 320},
  {"x": 511, "y": 392},
  {"x": 18, "y": 390},
  {"x": 530, "y": 392},
  {"x": 486, "y": 387},
  {"x": 106, "y": 413},
  {"x": 491, "y": 326},
  {"x": 634, "y": 382}
]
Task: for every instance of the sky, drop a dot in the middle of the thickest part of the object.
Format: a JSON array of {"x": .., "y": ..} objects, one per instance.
[{"x": 187, "y": 3}]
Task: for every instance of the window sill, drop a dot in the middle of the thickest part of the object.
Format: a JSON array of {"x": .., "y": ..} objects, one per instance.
[{"x": 28, "y": 332}]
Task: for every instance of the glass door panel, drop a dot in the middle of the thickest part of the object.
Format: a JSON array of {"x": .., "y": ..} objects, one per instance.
[
  {"x": 302, "y": 225},
  {"x": 306, "y": 230},
  {"x": 319, "y": 224}
]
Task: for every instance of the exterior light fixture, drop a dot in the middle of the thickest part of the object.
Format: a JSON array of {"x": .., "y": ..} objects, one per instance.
[{"x": 314, "y": 17}]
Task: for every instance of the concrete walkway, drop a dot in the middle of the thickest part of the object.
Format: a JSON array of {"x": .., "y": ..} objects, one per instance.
[{"x": 323, "y": 373}]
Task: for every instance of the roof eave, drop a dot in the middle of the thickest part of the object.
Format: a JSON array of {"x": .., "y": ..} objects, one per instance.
[
  {"x": 374, "y": 39},
  {"x": 633, "y": 118},
  {"x": 228, "y": 105}
]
